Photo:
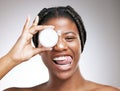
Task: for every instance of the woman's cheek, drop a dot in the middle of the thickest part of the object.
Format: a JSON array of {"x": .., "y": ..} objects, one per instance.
[{"x": 75, "y": 44}]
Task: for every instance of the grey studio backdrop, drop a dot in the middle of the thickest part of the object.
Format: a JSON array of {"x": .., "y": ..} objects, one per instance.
[{"x": 100, "y": 61}]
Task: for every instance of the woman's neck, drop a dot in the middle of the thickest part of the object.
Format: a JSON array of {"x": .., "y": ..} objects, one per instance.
[{"x": 72, "y": 83}]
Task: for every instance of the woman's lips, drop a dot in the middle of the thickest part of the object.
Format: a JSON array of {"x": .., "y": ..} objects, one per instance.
[{"x": 63, "y": 62}]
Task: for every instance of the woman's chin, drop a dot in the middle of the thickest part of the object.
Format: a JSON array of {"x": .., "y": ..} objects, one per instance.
[{"x": 64, "y": 75}]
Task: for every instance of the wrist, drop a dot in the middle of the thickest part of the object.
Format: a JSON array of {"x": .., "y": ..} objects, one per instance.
[
  {"x": 11, "y": 60},
  {"x": 6, "y": 64}
]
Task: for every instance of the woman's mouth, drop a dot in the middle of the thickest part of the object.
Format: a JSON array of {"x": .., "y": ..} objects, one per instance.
[{"x": 63, "y": 62}]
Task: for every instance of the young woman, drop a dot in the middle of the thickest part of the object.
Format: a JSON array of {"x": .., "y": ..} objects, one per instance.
[{"x": 62, "y": 59}]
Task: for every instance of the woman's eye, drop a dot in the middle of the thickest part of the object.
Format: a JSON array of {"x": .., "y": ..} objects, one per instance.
[{"x": 69, "y": 39}]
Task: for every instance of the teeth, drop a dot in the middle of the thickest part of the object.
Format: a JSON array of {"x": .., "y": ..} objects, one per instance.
[{"x": 60, "y": 58}]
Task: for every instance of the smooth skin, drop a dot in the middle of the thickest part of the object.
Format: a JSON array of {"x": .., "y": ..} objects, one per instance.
[
  {"x": 68, "y": 45},
  {"x": 15, "y": 56}
]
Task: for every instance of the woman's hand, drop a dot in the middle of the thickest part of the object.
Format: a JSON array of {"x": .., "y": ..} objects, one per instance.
[{"x": 23, "y": 50}]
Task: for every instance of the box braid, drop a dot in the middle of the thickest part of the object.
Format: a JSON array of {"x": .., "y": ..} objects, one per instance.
[{"x": 68, "y": 12}]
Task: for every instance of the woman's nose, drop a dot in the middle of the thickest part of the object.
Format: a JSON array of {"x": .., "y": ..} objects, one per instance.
[{"x": 61, "y": 45}]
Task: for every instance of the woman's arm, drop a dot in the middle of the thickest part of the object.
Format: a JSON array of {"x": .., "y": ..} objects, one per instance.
[
  {"x": 22, "y": 50},
  {"x": 6, "y": 64}
]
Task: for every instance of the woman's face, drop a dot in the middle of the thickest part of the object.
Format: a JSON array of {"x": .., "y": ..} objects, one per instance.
[{"x": 62, "y": 60}]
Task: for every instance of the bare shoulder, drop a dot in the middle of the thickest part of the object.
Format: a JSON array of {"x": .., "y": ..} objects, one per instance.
[
  {"x": 100, "y": 87},
  {"x": 108, "y": 88},
  {"x": 18, "y": 89},
  {"x": 35, "y": 88},
  {"x": 10, "y": 89}
]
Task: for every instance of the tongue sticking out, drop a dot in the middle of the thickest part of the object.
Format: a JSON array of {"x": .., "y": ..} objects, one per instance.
[{"x": 63, "y": 60}]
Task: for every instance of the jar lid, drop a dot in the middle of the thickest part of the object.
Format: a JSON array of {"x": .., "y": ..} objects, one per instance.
[{"x": 48, "y": 37}]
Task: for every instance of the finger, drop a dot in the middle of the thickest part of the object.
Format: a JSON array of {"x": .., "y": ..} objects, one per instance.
[
  {"x": 34, "y": 29},
  {"x": 36, "y": 21},
  {"x": 27, "y": 22},
  {"x": 40, "y": 50}
]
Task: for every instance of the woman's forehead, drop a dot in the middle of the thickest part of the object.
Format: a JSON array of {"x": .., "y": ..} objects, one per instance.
[{"x": 62, "y": 25}]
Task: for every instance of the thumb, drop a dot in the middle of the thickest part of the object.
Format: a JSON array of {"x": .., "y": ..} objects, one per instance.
[{"x": 40, "y": 50}]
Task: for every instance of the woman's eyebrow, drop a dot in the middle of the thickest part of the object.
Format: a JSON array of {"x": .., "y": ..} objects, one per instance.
[{"x": 70, "y": 33}]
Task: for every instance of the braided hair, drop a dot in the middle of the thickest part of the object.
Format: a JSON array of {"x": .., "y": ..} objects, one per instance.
[{"x": 67, "y": 12}]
